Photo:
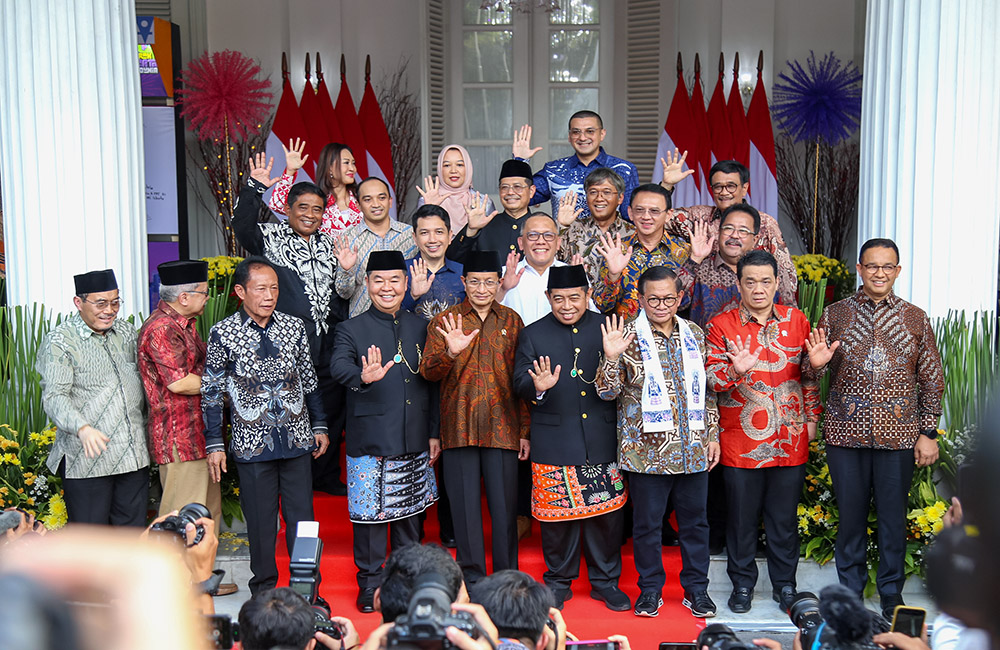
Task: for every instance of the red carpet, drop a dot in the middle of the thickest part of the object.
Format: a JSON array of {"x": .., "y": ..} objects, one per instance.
[{"x": 585, "y": 617}]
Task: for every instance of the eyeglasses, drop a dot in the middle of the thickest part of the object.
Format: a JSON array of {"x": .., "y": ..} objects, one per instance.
[
  {"x": 604, "y": 194},
  {"x": 204, "y": 293},
  {"x": 656, "y": 301},
  {"x": 742, "y": 233},
  {"x": 886, "y": 268},
  {"x": 517, "y": 189},
  {"x": 727, "y": 188},
  {"x": 653, "y": 212},
  {"x": 576, "y": 133},
  {"x": 534, "y": 236},
  {"x": 103, "y": 304},
  {"x": 475, "y": 284}
]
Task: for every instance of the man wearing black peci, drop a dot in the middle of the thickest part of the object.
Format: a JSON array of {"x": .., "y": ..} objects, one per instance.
[
  {"x": 392, "y": 433},
  {"x": 575, "y": 442}
]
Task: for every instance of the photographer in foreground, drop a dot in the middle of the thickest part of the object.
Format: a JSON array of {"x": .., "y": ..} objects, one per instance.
[
  {"x": 193, "y": 527},
  {"x": 282, "y": 618},
  {"x": 402, "y": 570},
  {"x": 519, "y": 607}
]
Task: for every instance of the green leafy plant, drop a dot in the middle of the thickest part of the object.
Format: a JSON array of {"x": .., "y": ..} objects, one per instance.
[
  {"x": 22, "y": 330},
  {"x": 222, "y": 302}
]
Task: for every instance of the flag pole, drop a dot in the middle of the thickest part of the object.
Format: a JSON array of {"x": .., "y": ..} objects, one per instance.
[
  {"x": 319, "y": 68},
  {"x": 308, "y": 71}
]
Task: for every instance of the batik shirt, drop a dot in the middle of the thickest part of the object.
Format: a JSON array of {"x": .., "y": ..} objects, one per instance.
[
  {"x": 351, "y": 283},
  {"x": 272, "y": 387},
  {"x": 446, "y": 291},
  {"x": 169, "y": 350},
  {"x": 92, "y": 379},
  {"x": 622, "y": 296},
  {"x": 768, "y": 239},
  {"x": 334, "y": 219},
  {"x": 887, "y": 380},
  {"x": 763, "y": 413},
  {"x": 681, "y": 451},
  {"x": 568, "y": 174},
  {"x": 581, "y": 238}
]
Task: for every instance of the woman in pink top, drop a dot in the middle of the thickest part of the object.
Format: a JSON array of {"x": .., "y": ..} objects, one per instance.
[
  {"x": 336, "y": 173},
  {"x": 452, "y": 188}
]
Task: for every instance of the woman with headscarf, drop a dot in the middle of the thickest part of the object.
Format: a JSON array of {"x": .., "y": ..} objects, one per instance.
[
  {"x": 336, "y": 175},
  {"x": 452, "y": 188}
]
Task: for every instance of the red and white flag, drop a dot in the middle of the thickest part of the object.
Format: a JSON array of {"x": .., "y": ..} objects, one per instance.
[
  {"x": 377, "y": 139},
  {"x": 763, "y": 164},
  {"x": 738, "y": 120},
  {"x": 350, "y": 127},
  {"x": 679, "y": 132},
  {"x": 703, "y": 162},
  {"x": 718, "y": 126},
  {"x": 287, "y": 125},
  {"x": 312, "y": 116}
]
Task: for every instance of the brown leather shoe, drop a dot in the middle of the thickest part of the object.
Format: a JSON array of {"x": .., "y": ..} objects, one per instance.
[
  {"x": 227, "y": 588},
  {"x": 523, "y": 527}
]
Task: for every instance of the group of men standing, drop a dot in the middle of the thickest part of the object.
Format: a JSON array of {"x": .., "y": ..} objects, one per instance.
[{"x": 457, "y": 353}]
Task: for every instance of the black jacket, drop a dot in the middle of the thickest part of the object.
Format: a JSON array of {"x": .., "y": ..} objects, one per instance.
[
  {"x": 570, "y": 425},
  {"x": 392, "y": 416},
  {"x": 499, "y": 235}
]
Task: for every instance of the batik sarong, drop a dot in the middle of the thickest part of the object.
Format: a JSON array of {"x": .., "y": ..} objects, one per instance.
[
  {"x": 381, "y": 489},
  {"x": 567, "y": 492}
]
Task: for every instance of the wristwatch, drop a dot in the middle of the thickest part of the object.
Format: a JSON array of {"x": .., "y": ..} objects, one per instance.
[{"x": 931, "y": 434}]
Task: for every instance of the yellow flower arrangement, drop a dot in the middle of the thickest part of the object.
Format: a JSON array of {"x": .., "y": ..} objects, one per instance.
[
  {"x": 814, "y": 267},
  {"x": 221, "y": 266},
  {"x": 25, "y": 481}
]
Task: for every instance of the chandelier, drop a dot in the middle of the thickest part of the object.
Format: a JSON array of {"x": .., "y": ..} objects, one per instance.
[{"x": 521, "y": 6}]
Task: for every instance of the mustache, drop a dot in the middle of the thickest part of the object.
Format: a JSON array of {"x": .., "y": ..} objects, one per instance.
[{"x": 734, "y": 240}]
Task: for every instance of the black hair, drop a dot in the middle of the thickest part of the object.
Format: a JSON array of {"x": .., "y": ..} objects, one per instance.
[
  {"x": 276, "y": 617},
  {"x": 584, "y": 115},
  {"x": 655, "y": 274},
  {"x": 878, "y": 242},
  {"x": 730, "y": 167},
  {"x": 426, "y": 211},
  {"x": 516, "y": 603},
  {"x": 242, "y": 273},
  {"x": 745, "y": 208},
  {"x": 756, "y": 257},
  {"x": 305, "y": 187},
  {"x": 654, "y": 188},
  {"x": 402, "y": 569},
  {"x": 328, "y": 157},
  {"x": 602, "y": 174},
  {"x": 388, "y": 190}
]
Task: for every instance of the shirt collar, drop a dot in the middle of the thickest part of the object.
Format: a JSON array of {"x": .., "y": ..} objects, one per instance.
[
  {"x": 600, "y": 161},
  {"x": 890, "y": 300},
  {"x": 466, "y": 308},
  {"x": 377, "y": 313},
  {"x": 173, "y": 314},
  {"x": 246, "y": 321},
  {"x": 85, "y": 330},
  {"x": 746, "y": 316},
  {"x": 393, "y": 226}
]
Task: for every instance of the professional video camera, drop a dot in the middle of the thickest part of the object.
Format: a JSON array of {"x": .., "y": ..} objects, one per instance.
[
  {"x": 429, "y": 613},
  {"x": 303, "y": 567},
  {"x": 178, "y": 523}
]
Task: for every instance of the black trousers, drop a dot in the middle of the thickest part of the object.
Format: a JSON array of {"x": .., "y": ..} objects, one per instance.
[
  {"x": 650, "y": 493},
  {"x": 326, "y": 468},
  {"x": 858, "y": 475},
  {"x": 261, "y": 484},
  {"x": 598, "y": 537},
  {"x": 116, "y": 500},
  {"x": 370, "y": 546},
  {"x": 773, "y": 492},
  {"x": 498, "y": 470}
]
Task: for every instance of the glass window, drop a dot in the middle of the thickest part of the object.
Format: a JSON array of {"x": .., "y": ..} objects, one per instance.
[
  {"x": 486, "y": 163},
  {"x": 488, "y": 113},
  {"x": 573, "y": 55},
  {"x": 488, "y": 56},
  {"x": 576, "y": 12},
  {"x": 563, "y": 102},
  {"x": 474, "y": 15}
]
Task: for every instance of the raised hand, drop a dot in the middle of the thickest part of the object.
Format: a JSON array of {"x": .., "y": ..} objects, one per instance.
[
  {"x": 261, "y": 172},
  {"x": 820, "y": 350},
  {"x": 522, "y": 143},
  {"x": 454, "y": 337},
  {"x": 511, "y": 276},
  {"x": 672, "y": 166},
  {"x": 347, "y": 255},
  {"x": 544, "y": 376},
  {"x": 568, "y": 212},
  {"x": 577, "y": 260},
  {"x": 372, "y": 369},
  {"x": 615, "y": 340},
  {"x": 431, "y": 190},
  {"x": 476, "y": 213},
  {"x": 611, "y": 249},
  {"x": 741, "y": 356},
  {"x": 701, "y": 242},
  {"x": 294, "y": 160},
  {"x": 422, "y": 280}
]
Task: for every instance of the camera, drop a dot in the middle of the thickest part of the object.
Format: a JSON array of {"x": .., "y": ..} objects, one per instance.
[
  {"x": 303, "y": 569},
  {"x": 721, "y": 637},
  {"x": 178, "y": 523},
  {"x": 429, "y": 613},
  {"x": 804, "y": 611}
]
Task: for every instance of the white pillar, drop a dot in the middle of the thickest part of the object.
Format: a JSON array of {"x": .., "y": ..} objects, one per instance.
[
  {"x": 71, "y": 149},
  {"x": 930, "y": 147}
]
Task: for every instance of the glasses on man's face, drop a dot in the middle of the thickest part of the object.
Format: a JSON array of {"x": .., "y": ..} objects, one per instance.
[
  {"x": 874, "y": 268},
  {"x": 204, "y": 293},
  {"x": 516, "y": 188},
  {"x": 639, "y": 211},
  {"x": 730, "y": 231},
  {"x": 475, "y": 284},
  {"x": 724, "y": 188},
  {"x": 576, "y": 133},
  {"x": 103, "y": 304},
  {"x": 604, "y": 194},
  {"x": 656, "y": 301},
  {"x": 535, "y": 235}
]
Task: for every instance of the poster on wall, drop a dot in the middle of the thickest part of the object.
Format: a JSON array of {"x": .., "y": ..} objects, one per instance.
[{"x": 159, "y": 143}]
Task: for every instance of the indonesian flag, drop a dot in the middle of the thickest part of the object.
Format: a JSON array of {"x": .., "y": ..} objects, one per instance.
[
  {"x": 763, "y": 165},
  {"x": 326, "y": 108},
  {"x": 377, "y": 140},
  {"x": 679, "y": 132},
  {"x": 738, "y": 122},
  {"x": 287, "y": 125},
  {"x": 718, "y": 125},
  {"x": 703, "y": 163},
  {"x": 350, "y": 127},
  {"x": 312, "y": 116}
]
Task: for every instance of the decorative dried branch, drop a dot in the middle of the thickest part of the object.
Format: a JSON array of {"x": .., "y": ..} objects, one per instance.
[{"x": 401, "y": 113}]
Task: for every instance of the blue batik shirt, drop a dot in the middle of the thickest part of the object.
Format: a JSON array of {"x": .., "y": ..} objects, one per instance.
[
  {"x": 567, "y": 175},
  {"x": 446, "y": 291}
]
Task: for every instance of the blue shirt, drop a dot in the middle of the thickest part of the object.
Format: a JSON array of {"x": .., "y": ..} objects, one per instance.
[
  {"x": 567, "y": 175},
  {"x": 446, "y": 291}
]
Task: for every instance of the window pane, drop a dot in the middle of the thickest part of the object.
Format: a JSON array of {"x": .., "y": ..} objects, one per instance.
[
  {"x": 576, "y": 12},
  {"x": 488, "y": 113},
  {"x": 573, "y": 55},
  {"x": 487, "y": 56},
  {"x": 486, "y": 163},
  {"x": 563, "y": 102},
  {"x": 473, "y": 15}
]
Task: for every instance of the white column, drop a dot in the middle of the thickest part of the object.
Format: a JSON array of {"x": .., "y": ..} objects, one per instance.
[
  {"x": 930, "y": 147},
  {"x": 71, "y": 149}
]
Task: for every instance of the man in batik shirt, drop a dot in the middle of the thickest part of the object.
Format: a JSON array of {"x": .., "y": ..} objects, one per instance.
[{"x": 768, "y": 413}]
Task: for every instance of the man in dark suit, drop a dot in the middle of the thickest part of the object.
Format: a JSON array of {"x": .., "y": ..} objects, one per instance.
[
  {"x": 578, "y": 492},
  {"x": 392, "y": 434}
]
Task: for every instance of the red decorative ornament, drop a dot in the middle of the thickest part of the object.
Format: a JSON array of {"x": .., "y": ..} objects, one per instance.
[{"x": 222, "y": 91}]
